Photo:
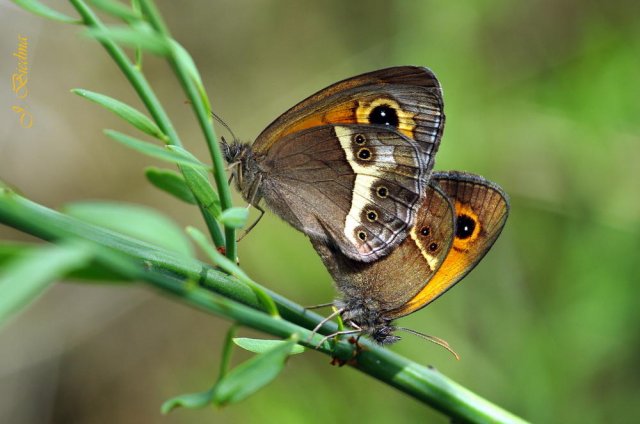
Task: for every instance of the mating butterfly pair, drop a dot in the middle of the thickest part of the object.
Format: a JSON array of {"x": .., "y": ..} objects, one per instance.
[{"x": 351, "y": 167}]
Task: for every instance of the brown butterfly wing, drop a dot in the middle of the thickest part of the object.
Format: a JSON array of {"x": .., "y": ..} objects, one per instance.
[
  {"x": 481, "y": 208},
  {"x": 356, "y": 185},
  {"x": 392, "y": 281},
  {"x": 406, "y": 98}
]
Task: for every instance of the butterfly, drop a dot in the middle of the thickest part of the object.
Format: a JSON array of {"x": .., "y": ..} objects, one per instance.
[
  {"x": 458, "y": 220},
  {"x": 350, "y": 164}
]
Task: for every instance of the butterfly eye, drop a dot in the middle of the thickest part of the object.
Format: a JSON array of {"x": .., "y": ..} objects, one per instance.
[
  {"x": 382, "y": 192},
  {"x": 364, "y": 154},
  {"x": 359, "y": 139},
  {"x": 433, "y": 247},
  {"x": 425, "y": 231},
  {"x": 372, "y": 216},
  {"x": 362, "y": 235},
  {"x": 384, "y": 115},
  {"x": 465, "y": 226}
]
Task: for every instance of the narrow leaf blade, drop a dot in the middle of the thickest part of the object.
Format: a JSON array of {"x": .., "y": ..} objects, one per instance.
[
  {"x": 263, "y": 345},
  {"x": 183, "y": 56},
  {"x": 26, "y": 277},
  {"x": 140, "y": 36},
  {"x": 40, "y": 9},
  {"x": 154, "y": 151},
  {"x": 198, "y": 182},
  {"x": 117, "y": 9},
  {"x": 123, "y": 110},
  {"x": 134, "y": 220},
  {"x": 234, "y": 217},
  {"x": 170, "y": 182},
  {"x": 252, "y": 375},
  {"x": 189, "y": 400}
]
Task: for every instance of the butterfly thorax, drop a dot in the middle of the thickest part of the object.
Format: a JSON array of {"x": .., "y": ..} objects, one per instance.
[{"x": 366, "y": 314}]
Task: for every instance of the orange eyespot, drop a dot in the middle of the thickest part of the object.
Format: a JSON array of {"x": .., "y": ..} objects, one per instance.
[{"x": 465, "y": 226}]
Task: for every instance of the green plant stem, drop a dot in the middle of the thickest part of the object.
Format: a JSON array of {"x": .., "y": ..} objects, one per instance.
[
  {"x": 147, "y": 96},
  {"x": 230, "y": 298},
  {"x": 131, "y": 72},
  {"x": 204, "y": 119},
  {"x": 227, "y": 349}
]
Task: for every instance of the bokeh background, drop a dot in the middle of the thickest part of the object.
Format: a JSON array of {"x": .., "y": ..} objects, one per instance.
[{"x": 541, "y": 96}]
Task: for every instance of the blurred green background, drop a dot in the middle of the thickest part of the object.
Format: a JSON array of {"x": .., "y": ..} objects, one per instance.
[{"x": 542, "y": 97}]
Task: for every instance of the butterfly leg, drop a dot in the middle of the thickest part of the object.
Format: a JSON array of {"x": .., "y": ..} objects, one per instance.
[
  {"x": 337, "y": 333},
  {"x": 323, "y": 322},
  {"x": 321, "y": 305},
  {"x": 254, "y": 223}
]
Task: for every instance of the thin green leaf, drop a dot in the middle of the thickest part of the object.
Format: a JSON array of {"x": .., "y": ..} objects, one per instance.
[
  {"x": 252, "y": 375},
  {"x": 198, "y": 182},
  {"x": 182, "y": 56},
  {"x": 170, "y": 181},
  {"x": 263, "y": 345},
  {"x": 227, "y": 350},
  {"x": 134, "y": 220},
  {"x": 117, "y": 9},
  {"x": 40, "y": 9},
  {"x": 202, "y": 399},
  {"x": 234, "y": 217},
  {"x": 189, "y": 400},
  {"x": 92, "y": 272},
  {"x": 140, "y": 36},
  {"x": 27, "y": 276},
  {"x": 169, "y": 154},
  {"x": 96, "y": 273},
  {"x": 11, "y": 250},
  {"x": 126, "y": 112}
]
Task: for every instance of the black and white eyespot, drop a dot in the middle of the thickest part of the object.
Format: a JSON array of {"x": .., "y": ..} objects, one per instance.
[
  {"x": 384, "y": 115},
  {"x": 433, "y": 247},
  {"x": 364, "y": 154},
  {"x": 372, "y": 216},
  {"x": 359, "y": 139},
  {"x": 465, "y": 225},
  {"x": 361, "y": 235},
  {"x": 382, "y": 191},
  {"x": 424, "y": 231}
]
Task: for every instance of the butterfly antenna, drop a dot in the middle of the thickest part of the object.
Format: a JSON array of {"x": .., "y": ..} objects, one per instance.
[
  {"x": 432, "y": 339},
  {"x": 224, "y": 124}
]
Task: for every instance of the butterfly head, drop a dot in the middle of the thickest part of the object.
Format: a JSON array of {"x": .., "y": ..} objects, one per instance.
[
  {"x": 367, "y": 316},
  {"x": 242, "y": 165}
]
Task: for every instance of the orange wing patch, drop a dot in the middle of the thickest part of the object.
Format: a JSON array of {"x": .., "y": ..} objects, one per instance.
[
  {"x": 345, "y": 114},
  {"x": 466, "y": 236},
  {"x": 457, "y": 262}
]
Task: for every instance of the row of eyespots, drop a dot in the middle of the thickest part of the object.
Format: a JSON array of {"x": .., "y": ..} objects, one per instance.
[
  {"x": 363, "y": 153},
  {"x": 372, "y": 216},
  {"x": 425, "y": 231}
]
